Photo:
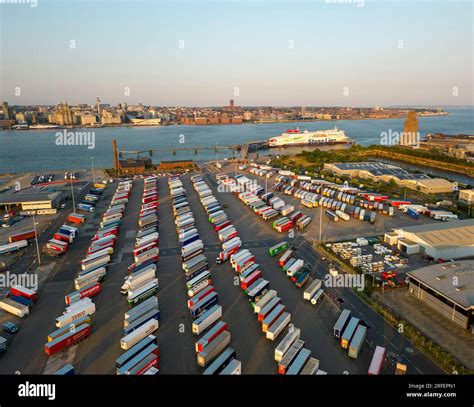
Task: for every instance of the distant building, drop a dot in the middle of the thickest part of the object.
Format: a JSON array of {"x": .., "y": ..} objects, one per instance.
[
  {"x": 224, "y": 118},
  {"x": 6, "y": 124},
  {"x": 428, "y": 186},
  {"x": 200, "y": 120},
  {"x": 236, "y": 120},
  {"x": 30, "y": 201},
  {"x": 135, "y": 166},
  {"x": 231, "y": 104},
  {"x": 448, "y": 289},
  {"x": 110, "y": 117},
  {"x": 176, "y": 165},
  {"x": 247, "y": 116},
  {"x": 146, "y": 122},
  {"x": 386, "y": 173},
  {"x": 410, "y": 135},
  {"x": 20, "y": 117},
  {"x": 467, "y": 196},
  {"x": 88, "y": 119},
  {"x": 443, "y": 240},
  {"x": 6, "y": 113},
  {"x": 62, "y": 115}
]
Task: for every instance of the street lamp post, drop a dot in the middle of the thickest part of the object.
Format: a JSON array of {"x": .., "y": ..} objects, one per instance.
[
  {"x": 73, "y": 199},
  {"x": 93, "y": 172},
  {"x": 36, "y": 240}
]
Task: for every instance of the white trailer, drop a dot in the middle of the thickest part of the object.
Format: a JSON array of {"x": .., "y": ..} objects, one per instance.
[
  {"x": 14, "y": 307},
  {"x": 312, "y": 289},
  {"x": 264, "y": 300},
  {"x": 277, "y": 327},
  {"x": 207, "y": 319},
  {"x": 136, "y": 279},
  {"x": 74, "y": 314},
  {"x": 292, "y": 335},
  {"x": 138, "y": 334},
  {"x": 141, "y": 309}
]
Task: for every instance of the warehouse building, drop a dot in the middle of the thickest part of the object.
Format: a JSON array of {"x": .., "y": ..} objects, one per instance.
[
  {"x": 444, "y": 240},
  {"x": 30, "y": 201},
  {"x": 466, "y": 196},
  {"x": 447, "y": 288},
  {"x": 386, "y": 173}
]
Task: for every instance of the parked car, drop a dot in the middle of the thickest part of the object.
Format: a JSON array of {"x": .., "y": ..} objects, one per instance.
[{"x": 10, "y": 327}]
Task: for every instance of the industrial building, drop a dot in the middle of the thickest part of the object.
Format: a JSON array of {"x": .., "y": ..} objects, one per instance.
[
  {"x": 444, "y": 240},
  {"x": 447, "y": 288},
  {"x": 30, "y": 201},
  {"x": 135, "y": 166},
  {"x": 176, "y": 165},
  {"x": 466, "y": 195},
  {"x": 386, "y": 173}
]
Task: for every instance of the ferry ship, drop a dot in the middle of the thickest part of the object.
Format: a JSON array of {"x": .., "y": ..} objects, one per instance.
[{"x": 295, "y": 137}]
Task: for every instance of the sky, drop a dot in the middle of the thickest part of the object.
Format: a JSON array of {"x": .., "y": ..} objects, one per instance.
[{"x": 203, "y": 53}]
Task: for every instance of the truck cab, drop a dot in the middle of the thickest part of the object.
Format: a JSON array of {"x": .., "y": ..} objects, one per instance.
[{"x": 10, "y": 327}]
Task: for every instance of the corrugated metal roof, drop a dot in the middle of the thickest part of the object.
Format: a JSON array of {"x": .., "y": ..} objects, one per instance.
[
  {"x": 453, "y": 280},
  {"x": 453, "y": 233}
]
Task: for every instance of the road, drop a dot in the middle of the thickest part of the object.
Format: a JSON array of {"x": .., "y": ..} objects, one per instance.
[
  {"x": 97, "y": 354},
  {"x": 317, "y": 322}
]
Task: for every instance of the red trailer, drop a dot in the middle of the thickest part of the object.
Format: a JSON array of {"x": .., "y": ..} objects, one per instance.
[
  {"x": 21, "y": 291},
  {"x": 107, "y": 232},
  {"x": 210, "y": 335},
  {"x": 247, "y": 282},
  {"x": 152, "y": 362},
  {"x": 62, "y": 237},
  {"x": 70, "y": 338},
  {"x": 198, "y": 297},
  {"x": 225, "y": 255},
  {"x": 222, "y": 225},
  {"x": 76, "y": 218},
  {"x": 396, "y": 204},
  {"x": 377, "y": 361},
  {"x": 89, "y": 290},
  {"x": 28, "y": 235},
  {"x": 284, "y": 227}
]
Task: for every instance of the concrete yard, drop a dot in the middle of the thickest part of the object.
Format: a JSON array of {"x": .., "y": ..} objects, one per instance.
[{"x": 97, "y": 353}]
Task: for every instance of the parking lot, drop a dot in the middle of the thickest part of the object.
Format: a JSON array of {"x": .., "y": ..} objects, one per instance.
[
  {"x": 97, "y": 354},
  {"x": 329, "y": 230}
]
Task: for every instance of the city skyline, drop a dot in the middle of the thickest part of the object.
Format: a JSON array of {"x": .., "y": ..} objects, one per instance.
[{"x": 257, "y": 53}]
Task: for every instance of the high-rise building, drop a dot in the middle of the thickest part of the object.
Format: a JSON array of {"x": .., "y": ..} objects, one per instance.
[
  {"x": 97, "y": 102},
  {"x": 6, "y": 114},
  {"x": 231, "y": 104},
  {"x": 62, "y": 115},
  {"x": 410, "y": 135}
]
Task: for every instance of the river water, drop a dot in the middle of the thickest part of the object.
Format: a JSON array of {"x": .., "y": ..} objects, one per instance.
[{"x": 37, "y": 151}]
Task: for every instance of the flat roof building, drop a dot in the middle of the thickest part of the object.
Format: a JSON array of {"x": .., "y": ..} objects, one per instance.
[
  {"x": 444, "y": 240},
  {"x": 386, "y": 172},
  {"x": 467, "y": 196},
  {"x": 448, "y": 288},
  {"x": 30, "y": 201}
]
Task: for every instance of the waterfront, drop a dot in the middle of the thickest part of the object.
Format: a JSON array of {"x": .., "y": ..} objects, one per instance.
[{"x": 36, "y": 151}]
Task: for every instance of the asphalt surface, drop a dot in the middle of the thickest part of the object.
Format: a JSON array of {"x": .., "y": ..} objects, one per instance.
[
  {"x": 316, "y": 322},
  {"x": 97, "y": 354},
  {"x": 25, "y": 353}
]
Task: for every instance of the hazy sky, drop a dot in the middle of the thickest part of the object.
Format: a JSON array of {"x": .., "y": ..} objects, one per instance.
[{"x": 198, "y": 53}]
